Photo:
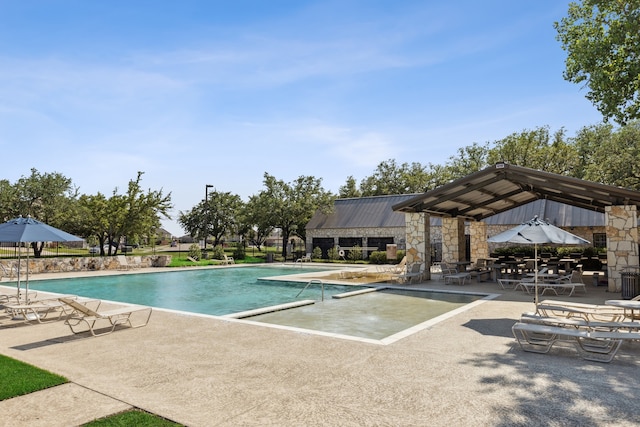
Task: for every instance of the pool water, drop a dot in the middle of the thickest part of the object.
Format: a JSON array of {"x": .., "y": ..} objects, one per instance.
[
  {"x": 381, "y": 316},
  {"x": 374, "y": 315},
  {"x": 206, "y": 291}
]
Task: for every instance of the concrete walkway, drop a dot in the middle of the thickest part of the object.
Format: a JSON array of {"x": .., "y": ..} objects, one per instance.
[{"x": 206, "y": 371}]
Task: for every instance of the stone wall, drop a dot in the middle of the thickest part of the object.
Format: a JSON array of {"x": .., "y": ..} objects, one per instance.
[
  {"x": 478, "y": 241},
  {"x": 453, "y": 240},
  {"x": 622, "y": 242},
  {"x": 70, "y": 264},
  {"x": 418, "y": 252}
]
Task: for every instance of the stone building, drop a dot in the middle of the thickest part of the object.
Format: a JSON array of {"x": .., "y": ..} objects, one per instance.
[
  {"x": 367, "y": 222},
  {"x": 371, "y": 222},
  {"x": 452, "y": 222}
]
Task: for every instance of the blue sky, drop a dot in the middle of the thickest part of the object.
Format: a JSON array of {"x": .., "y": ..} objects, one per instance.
[{"x": 220, "y": 92}]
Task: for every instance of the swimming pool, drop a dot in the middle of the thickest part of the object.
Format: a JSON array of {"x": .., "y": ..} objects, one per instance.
[
  {"x": 382, "y": 316},
  {"x": 207, "y": 291}
]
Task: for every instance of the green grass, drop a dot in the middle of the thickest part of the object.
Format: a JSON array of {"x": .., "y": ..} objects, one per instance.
[
  {"x": 19, "y": 378},
  {"x": 132, "y": 418}
]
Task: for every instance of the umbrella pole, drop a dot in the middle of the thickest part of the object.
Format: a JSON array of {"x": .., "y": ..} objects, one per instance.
[
  {"x": 26, "y": 283},
  {"x": 535, "y": 262},
  {"x": 18, "y": 276}
]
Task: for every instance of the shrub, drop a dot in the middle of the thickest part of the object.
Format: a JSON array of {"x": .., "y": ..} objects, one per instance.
[
  {"x": 239, "y": 252},
  {"x": 355, "y": 254},
  {"x": 378, "y": 257},
  {"x": 333, "y": 254},
  {"x": 317, "y": 253},
  {"x": 195, "y": 252},
  {"x": 218, "y": 252},
  {"x": 399, "y": 256}
]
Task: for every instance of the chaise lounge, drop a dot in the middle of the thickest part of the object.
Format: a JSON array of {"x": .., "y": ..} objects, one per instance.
[{"x": 92, "y": 318}]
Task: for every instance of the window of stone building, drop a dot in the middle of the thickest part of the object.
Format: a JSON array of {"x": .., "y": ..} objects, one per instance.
[{"x": 599, "y": 240}]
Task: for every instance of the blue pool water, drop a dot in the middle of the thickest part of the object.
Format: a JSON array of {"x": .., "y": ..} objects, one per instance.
[{"x": 207, "y": 291}]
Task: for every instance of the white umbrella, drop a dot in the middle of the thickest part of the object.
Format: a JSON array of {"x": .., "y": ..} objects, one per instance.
[
  {"x": 28, "y": 230},
  {"x": 537, "y": 231}
]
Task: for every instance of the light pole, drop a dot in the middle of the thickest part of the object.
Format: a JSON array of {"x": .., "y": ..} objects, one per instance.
[{"x": 206, "y": 206}]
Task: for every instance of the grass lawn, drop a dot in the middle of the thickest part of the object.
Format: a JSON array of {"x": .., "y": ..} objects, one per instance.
[
  {"x": 132, "y": 418},
  {"x": 19, "y": 378}
]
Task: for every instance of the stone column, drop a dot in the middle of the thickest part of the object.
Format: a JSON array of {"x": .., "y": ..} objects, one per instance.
[
  {"x": 479, "y": 245},
  {"x": 622, "y": 242},
  {"x": 453, "y": 241},
  {"x": 418, "y": 244}
]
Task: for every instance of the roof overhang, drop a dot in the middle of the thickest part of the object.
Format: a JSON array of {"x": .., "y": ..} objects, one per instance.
[{"x": 502, "y": 187}]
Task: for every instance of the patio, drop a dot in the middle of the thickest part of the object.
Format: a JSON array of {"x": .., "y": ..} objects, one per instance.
[{"x": 200, "y": 371}]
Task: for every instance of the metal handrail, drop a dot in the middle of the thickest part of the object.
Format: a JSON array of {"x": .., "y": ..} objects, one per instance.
[{"x": 316, "y": 281}]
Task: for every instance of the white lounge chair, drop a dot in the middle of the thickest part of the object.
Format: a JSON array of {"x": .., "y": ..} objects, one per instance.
[
  {"x": 13, "y": 297},
  {"x": 93, "y": 320},
  {"x": 227, "y": 260},
  {"x": 43, "y": 310},
  {"x": 306, "y": 258},
  {"x": 8, "y": 271},
  {"x": 595, "y": 345},
  {"x": 588, "y": 312}
]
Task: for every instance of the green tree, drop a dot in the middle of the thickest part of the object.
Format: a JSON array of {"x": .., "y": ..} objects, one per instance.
[
  {"x": 8, "y": 198},
  {"x": 260, "y": 227},
  {"x": 134, "y": 213},
  {"x": 290, "y": 206},
  {"x": 586, "y": 143},
  {"x": 44, "y": 196},
  {"x": 391, "y": 178},
  {"x": 216, "y": 217},
  {"x": 617, "y": 158},
  {"x": 92, "y": 218},
  {"x": 471, "y": 158},
  {"x": 602, "y": 40},
  {"x": 349, "y": 189},
  {"x": 536, "y": 149}
]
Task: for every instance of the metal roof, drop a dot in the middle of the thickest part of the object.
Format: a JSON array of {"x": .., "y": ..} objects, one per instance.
[
  {"x": 502, "y": 187},
  {"x": 559, "y": 214},
  {"x": 369, "y": 212},
  {"x": 362, "y": 212}
]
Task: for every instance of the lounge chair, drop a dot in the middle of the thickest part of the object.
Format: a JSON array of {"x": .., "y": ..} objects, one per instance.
[
  {"x": 227, "y": 260},
  {"x": 306, "y": 258},
  {"x": 588, "y": 312},
  {"x": 409, "y": 276},
  {"x": 13, "y": 297},
  {"x": 459, "y": 278},
  {"x": 598, "y": 346},
  {"x": 446, "y": 268},
  {"x": 9, "y": 271},
  {"x": 92, "y": 318},
  {"x": 398, "y": 268},
  {"x": 43, "y": 310}
]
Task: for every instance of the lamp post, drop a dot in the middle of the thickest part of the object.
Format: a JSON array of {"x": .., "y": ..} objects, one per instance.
[{"x": 206, "y": 206}]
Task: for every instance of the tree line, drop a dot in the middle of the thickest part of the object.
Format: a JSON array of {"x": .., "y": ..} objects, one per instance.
[
  {"x": 600, "y": 153},
  {"x": 104, "y": 220}
]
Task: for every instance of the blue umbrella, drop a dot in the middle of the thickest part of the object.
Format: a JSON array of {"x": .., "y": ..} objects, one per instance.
[
  {"x": 537, "y": 231},
  {"x": 28, "y": 230}
]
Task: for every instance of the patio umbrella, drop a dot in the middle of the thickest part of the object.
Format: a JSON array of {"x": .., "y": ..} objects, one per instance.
[
  {"x": 28, "y": 230},
  {"x": 537, "y": 231}
]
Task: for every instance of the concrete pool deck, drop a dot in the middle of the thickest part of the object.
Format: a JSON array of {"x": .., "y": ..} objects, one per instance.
[{"x": 204, "y": 371}]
